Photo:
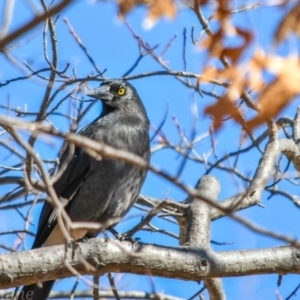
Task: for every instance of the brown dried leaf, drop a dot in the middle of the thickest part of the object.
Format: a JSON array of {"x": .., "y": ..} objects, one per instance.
[
  {"x": 273, "y": 99},
  {"x": 235, "y": 53},
  {"x": 281, "y": 91},
  {"x": 232, "y": 76},
  {"x": 157, "y": 8},
  {"x": 255, "y": 71},
  {"x": 210, "y": 73},
  {"x": 223, "y": 11},
  {"x": 275, "y": 96},
  {"x": 214, "y": 44},
  {"x": 127, "y": 5},
  {"x": 290, "y": 23},
  {"x": 224, "y": 107}
]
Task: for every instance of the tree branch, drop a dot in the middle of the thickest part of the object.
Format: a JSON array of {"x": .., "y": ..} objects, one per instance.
[
  {"x": 31, "y": 24},
  {"x": 23, "y": 268},
  {"x": 8, "y": 294},
  {"x": 198, "y": 227}
]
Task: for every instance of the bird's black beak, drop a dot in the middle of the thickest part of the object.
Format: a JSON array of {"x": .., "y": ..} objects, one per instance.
[{"x": 102, "y": 93}]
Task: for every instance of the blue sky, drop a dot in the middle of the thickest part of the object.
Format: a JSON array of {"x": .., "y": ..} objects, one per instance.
[{"x": 113, "y": 47}]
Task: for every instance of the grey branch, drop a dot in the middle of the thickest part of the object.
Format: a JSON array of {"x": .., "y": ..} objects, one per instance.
[
  {"x": 254, "y": 192},
  {"x": 7, "y": 294},
  {"x": 105, "y": 255},
  {"x": 198, "y": 228},
  {"x": 198, "y": 212}
]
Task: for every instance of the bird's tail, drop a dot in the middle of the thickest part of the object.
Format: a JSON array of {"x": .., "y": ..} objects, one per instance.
[{"x": 34, "y": 292}]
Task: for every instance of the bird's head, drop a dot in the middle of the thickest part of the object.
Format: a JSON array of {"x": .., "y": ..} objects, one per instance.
[{"x": 116, "y": 94}]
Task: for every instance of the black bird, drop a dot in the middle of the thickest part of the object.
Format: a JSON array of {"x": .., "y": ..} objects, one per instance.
[{"x": 98, "y": 191}]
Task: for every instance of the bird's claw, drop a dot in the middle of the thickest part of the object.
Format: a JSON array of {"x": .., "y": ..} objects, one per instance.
[
  {"x": 133, "y": 241},
  {"x": 124, "y": 237}
]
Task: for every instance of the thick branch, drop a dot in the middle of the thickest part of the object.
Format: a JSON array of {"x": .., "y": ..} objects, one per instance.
[
  {"x": 8, "y": 294},
  {"x": 198, "y": 227},
  {"x": 260, "y": 179},
  {"x": 215, "y": 288},
  {"x": 291, "y": 151},
  {"x": 198, "y": 212},
  {"x": 104, "y": 255}
]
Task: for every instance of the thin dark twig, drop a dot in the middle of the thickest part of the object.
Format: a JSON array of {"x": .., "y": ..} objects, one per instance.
[
  {"x": 96, "y": 288},
  {"x": 19, "y": 205},
  {"x": 13, "y": 194},
  {"x": 134, "y": 65},
  {"x": 50, "y": 84},
  {"x": 7, "y": 248},
  {"x": 33, "y": 74},
  {"x": 142, "y": 55},
  {"x": 190, "y": 141},
  {"x": 17, "y": 232},
  {"x": 240, "y": 151},
  {"x": 79, "y": 42},
  {"x": 236, "y": 160},
  {"x": 197, "y": 293},
  {"x": 221, "y": 243},
  {"x": 195, "y": 41},
  {"x": 161, "y": 124},
  {"x": 73, "y": 291},
  {"x": 184, "y": 53},
  {"x": 49, "y": 113},
  {"x": 277, "y": 180},
  {"x": 153, "y": 212},
  {"x": 213, "y": 142},
  {"x": 293, "y": 293},
  {"x": 113, "y": 286},
  {"x": 152, "y": 228},
  {"x": 169, "y": 45},
  {"x": 157, "y": 58}
]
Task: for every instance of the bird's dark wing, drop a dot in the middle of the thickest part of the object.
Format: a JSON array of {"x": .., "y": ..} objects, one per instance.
[
  {"x": 35, "y": 292},
  {"x": 66, "y": 187}
]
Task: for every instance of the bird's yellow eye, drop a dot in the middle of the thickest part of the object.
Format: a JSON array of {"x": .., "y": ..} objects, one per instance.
[{"x": 121, "y": 91}]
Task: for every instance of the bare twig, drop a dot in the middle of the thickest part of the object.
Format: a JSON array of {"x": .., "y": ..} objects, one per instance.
[{"x": 31, "y": 24}]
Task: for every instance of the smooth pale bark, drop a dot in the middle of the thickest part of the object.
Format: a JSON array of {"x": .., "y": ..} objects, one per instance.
[{"x": 104, "y": 256}]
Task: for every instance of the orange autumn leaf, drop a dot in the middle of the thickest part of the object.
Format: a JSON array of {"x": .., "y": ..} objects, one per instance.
[
  {"x": 127, "y": 5},
  {"x": 274, "y": 96},
  {"x": 281, "y": 91},
  {"x": 236, "y": 52},
  {"x": 289, "y": 24},
  {"x": 273, "y": 99},
  {"x": 162, "y": 7},
  {"x": 213, "y": 43},
  {"x": 224, "y": 107},
  {"x": 157, "y": 8},
  {"x": 215, "y": 46},
  {"x": 254, "y": 71}
]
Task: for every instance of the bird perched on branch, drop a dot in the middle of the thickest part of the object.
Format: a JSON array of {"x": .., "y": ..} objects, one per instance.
[{"x": 98, "y": 190}]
